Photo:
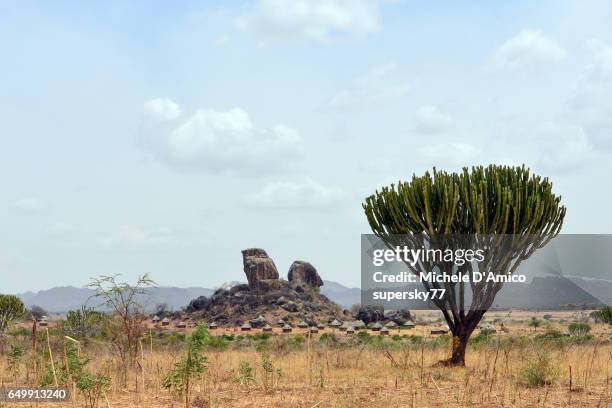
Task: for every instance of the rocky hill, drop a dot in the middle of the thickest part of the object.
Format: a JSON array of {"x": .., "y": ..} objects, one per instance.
[{"x": 266, "y": 297}]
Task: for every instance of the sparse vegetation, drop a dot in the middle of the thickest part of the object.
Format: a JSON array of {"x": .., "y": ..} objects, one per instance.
[{"x": 227, "y": 368}]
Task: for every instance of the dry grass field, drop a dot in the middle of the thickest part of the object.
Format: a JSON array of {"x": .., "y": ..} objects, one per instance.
[{"x": 522, "y": 367}]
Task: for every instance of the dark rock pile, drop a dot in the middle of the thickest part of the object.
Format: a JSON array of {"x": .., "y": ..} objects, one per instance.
[{"x": 268, "y": 298}]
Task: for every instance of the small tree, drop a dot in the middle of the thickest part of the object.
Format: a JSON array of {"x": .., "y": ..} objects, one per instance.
[
  {"x": 191, "y": 365},
  {"x": 127, "y": 323},
  {"x": 535, "y": 323},
  {"x": 84, "y": 323},
  {"x": 11, "y": 310},
  {"x": 508, "y": 210}
]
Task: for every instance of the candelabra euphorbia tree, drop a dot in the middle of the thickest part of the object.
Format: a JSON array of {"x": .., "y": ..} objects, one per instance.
[{"x": 507, "y": 212}]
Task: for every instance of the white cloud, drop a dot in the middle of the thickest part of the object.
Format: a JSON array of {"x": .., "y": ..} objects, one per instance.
[
  {"x": 295, "y": 195},
  {"x": 528, "y": 49},
  {"x": 223, "y": 142},
  {"x": 162, "y": 109},
  {"x": 28, "y": 206},
  {"x": 429, "y": 119},
  {"x": 453, "y": 154},
  {"x": 316, "y": 19},
  {"x": 380, "y": 84}
]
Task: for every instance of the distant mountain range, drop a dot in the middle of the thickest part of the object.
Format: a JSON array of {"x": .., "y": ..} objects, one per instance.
[
  {"x": 541, "y": 293},
  {"x": 64, "y": 298}
]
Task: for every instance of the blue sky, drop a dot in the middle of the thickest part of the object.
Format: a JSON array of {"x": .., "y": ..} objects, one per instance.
[{"x": 165, "y": 137}]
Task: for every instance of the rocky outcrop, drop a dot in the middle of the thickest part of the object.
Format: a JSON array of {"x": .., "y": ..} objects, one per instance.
[
  {"x": 266, "y": 298},
  {"x": 371, "y": 314},
  {"x": 304, "y": 274},
  {"x": 259, "y": 269},
  {"x": 398, "y": 316}
]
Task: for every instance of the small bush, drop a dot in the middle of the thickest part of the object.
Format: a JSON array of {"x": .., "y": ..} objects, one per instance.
[
  {"x": 604, "y": 315},
  {"x": 550, "y": 334},
  {"x": 245, "y": 374},
  {"x": 363, "y": 337},
  {"x": 540, "y": 371},
  {"x": 329, "y": 339},
  {"x": 296, "y": 342},
  {"x": 481, "y": 338},
  {"x": 579, "y": 329}
]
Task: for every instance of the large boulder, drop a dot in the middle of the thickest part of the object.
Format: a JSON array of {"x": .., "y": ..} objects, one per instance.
[
  {"x": 259, "y": 268},
  {"x": 371, "y": 314},
  {"x": 199, "y": 303},
  {"x": 304, "y": 274},
  {"x": 398, "y": 316}
]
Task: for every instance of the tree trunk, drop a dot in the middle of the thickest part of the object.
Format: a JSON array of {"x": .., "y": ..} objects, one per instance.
[
  {"x": 458, "y": 352},
  {"x": 459, "y": 345}
]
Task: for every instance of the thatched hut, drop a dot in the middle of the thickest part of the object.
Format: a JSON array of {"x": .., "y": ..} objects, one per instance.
[
  {"x": 287, "y": 328},
  {"x": 321, "y": 326},
  {"x": 391, "y": 325},
  {"x": 280, "y": 322},
  {"x": 155, "y": 319},
  {"x": 314, "y": 330},
  {"x": 302, "y": 325},
  {"x": 165, "y": 321},
  {"x": 376, "y": 326},
  {"x": 384, "y": 331},
  {"x": 350, "y": 330},
  {"x": 267, "y": 328},
  {"x": 181, "y": 325},
  {"x": 246, "y": 327},
  {"x": 358, "y": 324},
  {"x": 345, "y": 326},
  {"x": 408, "y": 324},
  {"x": 335, "y": 324},
  {"x": 43, "y": 321},
  {"x": 213, "y": 326}
]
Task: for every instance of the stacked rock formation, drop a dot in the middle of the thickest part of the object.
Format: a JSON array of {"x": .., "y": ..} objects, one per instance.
[{"x": 266, "y": 298}]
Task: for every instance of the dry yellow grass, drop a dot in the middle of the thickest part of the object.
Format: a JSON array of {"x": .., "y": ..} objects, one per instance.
[{"x": 365, "y": 376}]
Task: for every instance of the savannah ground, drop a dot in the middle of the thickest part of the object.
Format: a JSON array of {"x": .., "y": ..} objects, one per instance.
[{"x": 523, "y": 367}]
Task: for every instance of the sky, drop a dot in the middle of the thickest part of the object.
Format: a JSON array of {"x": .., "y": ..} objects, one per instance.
[{"x": 165, "y": 137}]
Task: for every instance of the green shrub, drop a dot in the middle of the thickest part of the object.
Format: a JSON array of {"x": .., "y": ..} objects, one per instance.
[
  {"x": 540, "y": 371},
  {"x": 579, "y": 329},
  {"x": 363, "y": 337},
  {"x": 414, "y": 339},
  {"x": 245, "y": 374},
  {"x": 191, "y": 365},
  {"x": 481, "y": 338},
  {"x": 296, "y": 342},
  {"x": 550, "y": 334},
  {"x": 604, "y": 315},
  {"x": 329, "y": 339}
]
